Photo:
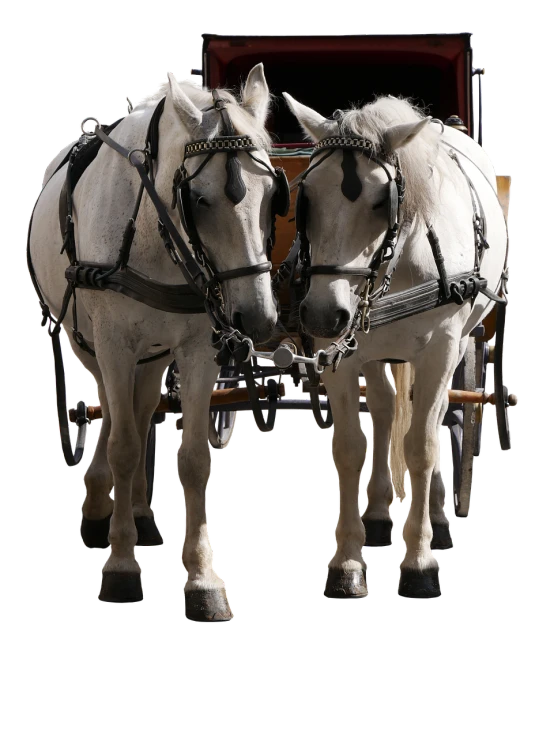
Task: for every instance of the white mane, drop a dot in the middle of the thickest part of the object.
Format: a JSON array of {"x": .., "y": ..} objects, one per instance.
[{"x": 417, "y": 158}]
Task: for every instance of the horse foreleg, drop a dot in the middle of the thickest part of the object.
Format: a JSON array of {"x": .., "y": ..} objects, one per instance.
[
  {"x": 380, "y": 397},
  {"x": 121, "y": 573},
  {"x": 205, "y": 596},
  {"x": 434, "y": 368},
  {"x": 346, "y": 576}
]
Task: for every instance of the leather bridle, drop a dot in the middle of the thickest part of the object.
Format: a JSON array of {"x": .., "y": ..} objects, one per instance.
[{"x": 235, "y": 191}]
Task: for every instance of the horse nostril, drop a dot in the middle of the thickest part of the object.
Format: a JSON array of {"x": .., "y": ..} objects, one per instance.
[
  {"x": 343, "y": 318},
  {"x": 237, "y": 322},
  {"x": 303, "y": 313}
]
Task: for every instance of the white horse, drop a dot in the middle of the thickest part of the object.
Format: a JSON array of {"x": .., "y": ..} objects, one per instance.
[
  {"x": 122, "y": 330},
  {"x": 348, "y": 233}
]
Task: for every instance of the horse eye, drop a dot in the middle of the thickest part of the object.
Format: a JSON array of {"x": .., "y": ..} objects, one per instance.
[
  {"x": 382, "y": 201},
  {"x": 202, "y": 202}
]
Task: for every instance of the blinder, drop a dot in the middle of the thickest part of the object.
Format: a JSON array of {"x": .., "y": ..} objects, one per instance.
[
  {"x": 301, "y": 211},
  {"x": 184, "y": 203},
  {"x": 280, "y": 204}
]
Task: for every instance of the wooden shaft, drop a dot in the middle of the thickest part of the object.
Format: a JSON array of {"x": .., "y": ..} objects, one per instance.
[
  {"x": 219, "y": 397},
  {"x": 477, "y": 398},
  {"x": 240, "y": 394},
  {"x": 457, "y": 396}
]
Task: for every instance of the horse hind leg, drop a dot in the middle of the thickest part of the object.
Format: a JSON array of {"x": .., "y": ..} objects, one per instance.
[
  {"x": 439, "y": 522},
  {"x": 380, "y": 399},
  {"x": 148, "y": 379},
  {"x": 98, "y": 505}
]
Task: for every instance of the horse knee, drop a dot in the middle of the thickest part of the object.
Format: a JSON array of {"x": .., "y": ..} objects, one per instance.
[
  {"x": 349, "y": 451},
  {"x": 124, "y": 453},
  {"x": 420, "y": 452},
  {"x": 383, "y": 400},
  {"x": 194, "y": 464}
]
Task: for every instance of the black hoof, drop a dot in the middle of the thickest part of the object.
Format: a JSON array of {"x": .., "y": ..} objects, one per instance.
[
  {"x": 148, "y": 533},
  {"x": 207, "y": 605},
  {"x": 95, "y": 532},
  {"x": 441, "y": 536},
  {"x": 120, "y": 586},
  {"x": 343, "y": 584},
  {"x": 419, "y": 583},
  {"x": 377, "y": 532}
]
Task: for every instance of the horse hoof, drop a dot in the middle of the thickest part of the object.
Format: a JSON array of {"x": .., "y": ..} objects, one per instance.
[
  {"x": 345, "y": 584},
  {"x": 120, "y": 586},
  {"x": 148, "y": 533},
  {"x": 419, "y": 583},
  {"x": 95, "y": 532},
  {"x": 377, "y": 532},
  {"x": 441, "y": 536},
  {"x": 207, "y": 605}
]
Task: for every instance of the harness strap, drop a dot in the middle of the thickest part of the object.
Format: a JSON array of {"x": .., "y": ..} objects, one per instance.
[
  {"x": 189, "y": 267},
  {"x": 439, "y": 260},
  {"x": 172, "y": 298}
]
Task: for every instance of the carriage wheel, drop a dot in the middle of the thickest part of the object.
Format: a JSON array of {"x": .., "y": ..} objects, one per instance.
[
  {"x": 222, "y": 422},
  {"x": 503, "y": 400},
  {"x": 464, "y": 432}
]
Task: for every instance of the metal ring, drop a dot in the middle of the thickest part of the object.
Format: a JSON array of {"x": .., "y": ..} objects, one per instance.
[
  {"x": 319, "y": 368},
  {"x": 134, "y": 151},
  {"x": 250, "y": 344},
  {"x": 88, "y": 132}
]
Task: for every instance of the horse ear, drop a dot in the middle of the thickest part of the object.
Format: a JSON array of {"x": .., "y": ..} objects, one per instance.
[
  {"x": 185, "y": 109},
  {"x": 400, "y": 135},
  {"x": 255, "y": 93},
  {"x": 314, "y": 124}
]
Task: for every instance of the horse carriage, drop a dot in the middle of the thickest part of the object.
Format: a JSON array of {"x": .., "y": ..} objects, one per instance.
[{"x": 434, "y": 72}]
